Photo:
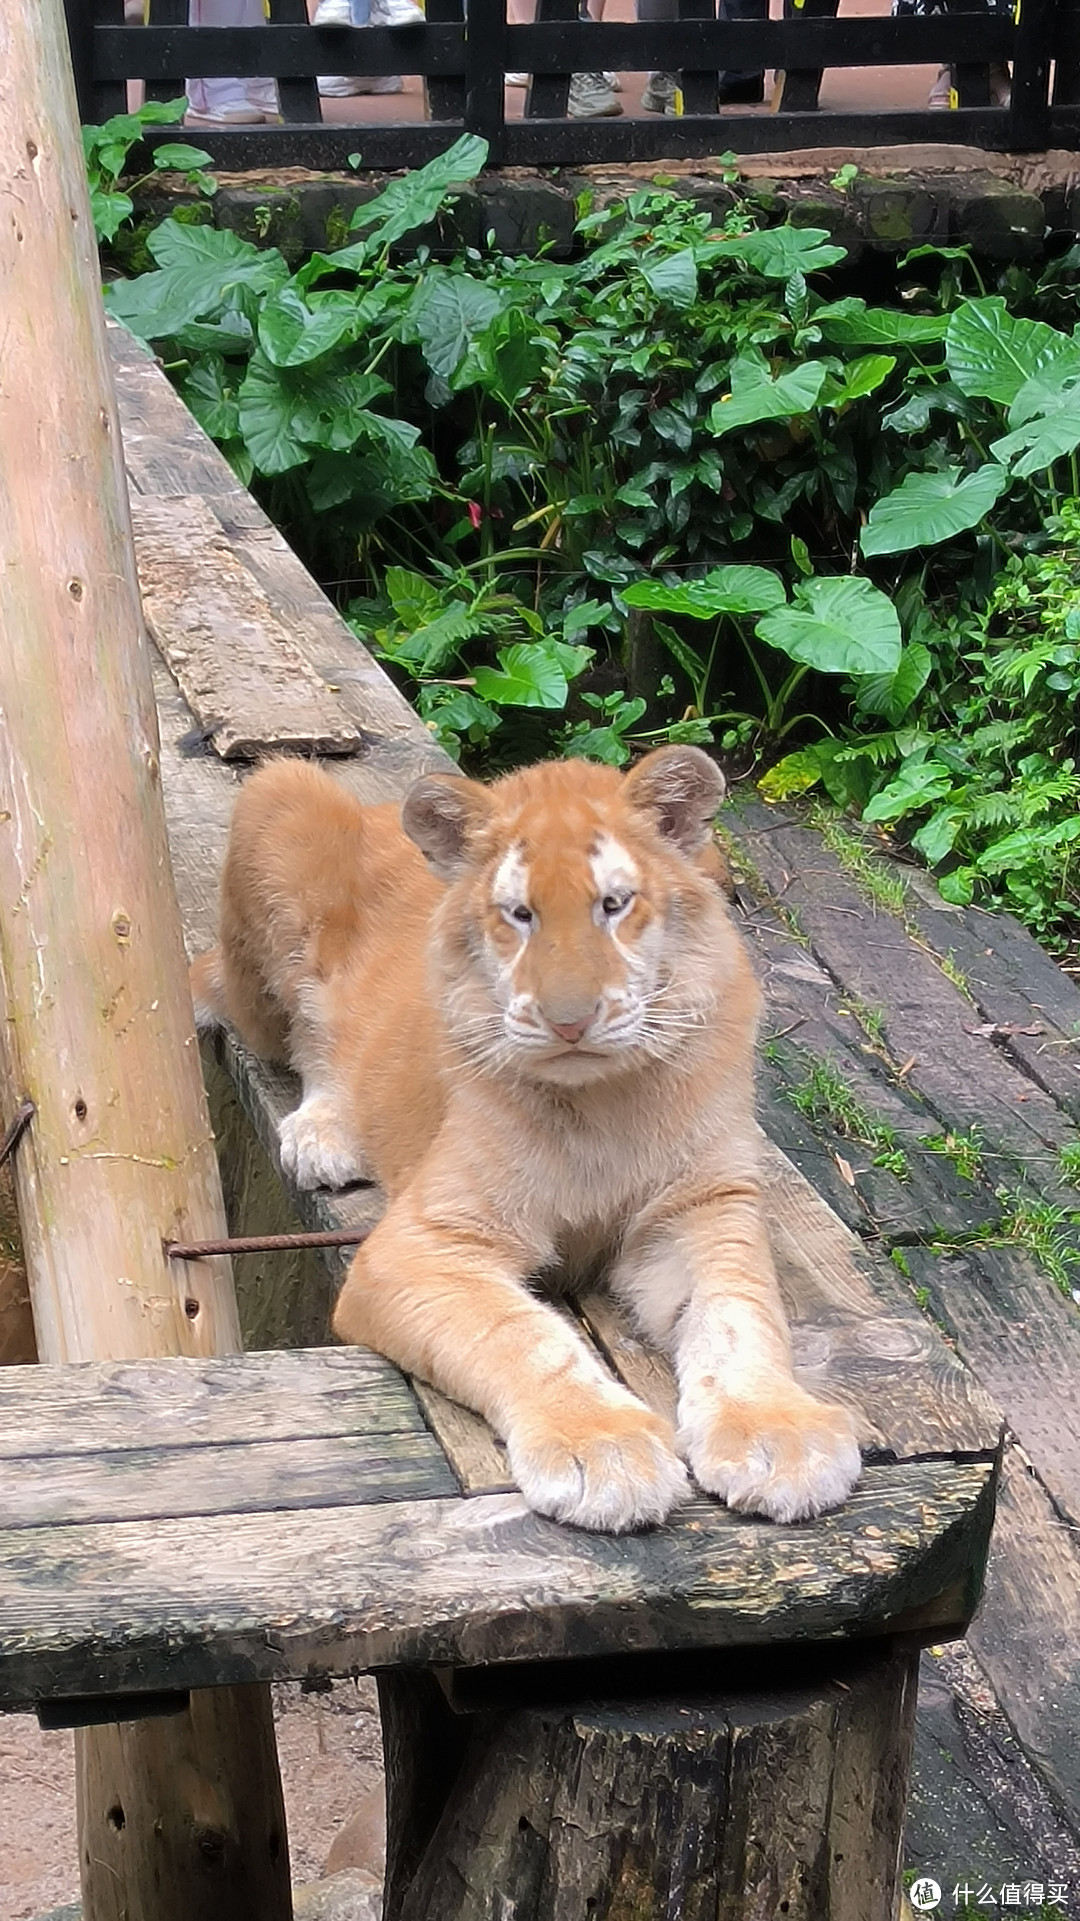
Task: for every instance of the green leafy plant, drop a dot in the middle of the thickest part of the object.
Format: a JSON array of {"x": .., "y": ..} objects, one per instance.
[{"x": 106, "y": 149}]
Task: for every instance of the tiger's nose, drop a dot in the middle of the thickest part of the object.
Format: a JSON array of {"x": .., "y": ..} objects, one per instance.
[{"x": 571, "y": 1030}]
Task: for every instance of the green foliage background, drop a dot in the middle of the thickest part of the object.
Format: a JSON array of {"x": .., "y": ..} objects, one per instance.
[{"x": 850, "y": 529}]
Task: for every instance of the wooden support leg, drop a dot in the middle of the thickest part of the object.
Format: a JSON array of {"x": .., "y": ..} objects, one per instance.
[
  {"x": 722, "y": 1807},
  {"x": 190, "y": 1807}
]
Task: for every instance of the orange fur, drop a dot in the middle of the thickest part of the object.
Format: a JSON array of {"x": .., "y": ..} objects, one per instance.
[{"x": 524, "y": 1009}]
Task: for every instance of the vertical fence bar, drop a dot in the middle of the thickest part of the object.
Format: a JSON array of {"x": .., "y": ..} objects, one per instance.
[
  {"x": 485, "y": 68},
  {"x": 700, "y": 87},
  {"x": 549, "y": 93},
  {"x": 1029, "y": 111},
  {"x": 299, "y": 98},
  {"x": 445, "y": 98},
  {"x": 98, "y": 99},
  {"x": 798, "y": 90},
  {"x": 1066, "y": 25},
  {"x": 165, "y": 13}
]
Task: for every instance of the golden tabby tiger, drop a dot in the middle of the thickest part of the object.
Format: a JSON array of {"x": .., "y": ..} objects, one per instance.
[{"x": 524, "y": 1009}]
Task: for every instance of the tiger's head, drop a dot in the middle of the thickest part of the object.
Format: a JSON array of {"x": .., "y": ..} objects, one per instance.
[{"x": 582, "y": 932}]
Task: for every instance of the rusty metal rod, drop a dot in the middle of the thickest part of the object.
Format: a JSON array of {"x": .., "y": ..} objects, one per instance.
[
  {"x": 265, "y": 1243},
  {"x": 23, "y": 1116}
]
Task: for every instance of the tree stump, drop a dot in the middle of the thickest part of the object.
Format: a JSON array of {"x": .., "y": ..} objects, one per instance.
[{"x": 739, "y": 1804}]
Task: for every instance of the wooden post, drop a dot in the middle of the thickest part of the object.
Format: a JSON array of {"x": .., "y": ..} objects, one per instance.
[
  {"x": 782, "y": 1797},
  {"x": 119, "y": 1157}
]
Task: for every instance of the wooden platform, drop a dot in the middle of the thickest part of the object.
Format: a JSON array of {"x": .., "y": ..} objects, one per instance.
[
  {"x": 168, "y": 1525},
  {"x": 312, "y": 1513}
]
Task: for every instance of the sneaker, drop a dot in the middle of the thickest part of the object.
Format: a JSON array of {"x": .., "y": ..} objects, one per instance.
[
  {"x": 591, "y": 98},
  {"x": 941, "y": 92},
  {"x": 241, "y": 115},
  {"x": 332, "y": 13},
  {"x": 660, "y": 91},
  {"x": 396, "y": 13},
  {"x": 338, "y": 86},
  {"x": 516, "y": 79},
  {"x": 613, "y": 82}
]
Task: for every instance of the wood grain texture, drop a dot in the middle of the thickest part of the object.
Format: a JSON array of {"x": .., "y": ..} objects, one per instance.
[
  {"x": 926, "y": 1019},
  {"x": 1005, "y": 1317},
  {"x": 119, "y": 1158},
  {"x": 233, "y": 657},
  {"x": 1027, "y": 1632},
  {"x": 768, "y": 1800},
  {"x": 57, "y": 1413},
  {"x": 220, "y": 1598},
  {"x": 257, "y": 1477}
]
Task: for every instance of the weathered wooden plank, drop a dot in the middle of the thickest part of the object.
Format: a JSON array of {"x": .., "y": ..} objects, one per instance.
[
  {"x": 309, "y": 1394},
  {"x": 812, "y": 1040},
  {"x": 229, "y": 1597},
  {"x": 165, "y": 450},
  {"x": 236, "y": 662},
  {"x": 328, "y": 645},
  {"x": 1021, "y": 1340},
  {"x": 927, "y": 1021},
  {"x": 1027, "y": 1633},
  {"x": 476, "y": 1455},
  {"x": 254, "y": 1477},
  {"x": 1015, "y": 986}
]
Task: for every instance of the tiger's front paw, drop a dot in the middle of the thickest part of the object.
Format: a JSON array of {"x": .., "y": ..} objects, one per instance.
[
  {"x": 788, "y": 1457},
  {"x": 607, "y": 1464},
  {"x": 317, "y": 1150}
]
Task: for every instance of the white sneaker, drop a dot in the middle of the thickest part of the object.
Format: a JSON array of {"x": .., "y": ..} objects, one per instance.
[
  {"x": 613, "y": 81},
  {"x": 591, "y": 98},
  {"x": 338, "y": 86},
  {"x": 516, "y": 79},
  {"x": 332, "y": 13},
  {"x": 396, "y": 13},
  {"x": 238, "y": 116}
]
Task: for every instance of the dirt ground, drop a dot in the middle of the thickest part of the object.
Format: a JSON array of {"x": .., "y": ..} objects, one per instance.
[{"x": 331, "y": 1764}]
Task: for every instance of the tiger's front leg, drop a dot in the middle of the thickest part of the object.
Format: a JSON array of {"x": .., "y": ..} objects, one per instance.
[
  {"x": 703, "y": 1287},
  {"x": 443, "y": 1293}
]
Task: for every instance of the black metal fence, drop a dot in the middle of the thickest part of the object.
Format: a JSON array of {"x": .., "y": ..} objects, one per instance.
[{"x": 464, "y": 61}]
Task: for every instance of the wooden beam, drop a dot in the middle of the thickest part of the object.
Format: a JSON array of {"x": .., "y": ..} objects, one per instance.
[{"x": 180, "y": 1817}]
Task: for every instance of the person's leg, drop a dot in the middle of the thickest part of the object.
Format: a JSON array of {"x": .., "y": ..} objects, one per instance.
[
  {"x": 660, "y": 88},
  {"x": 360, "y": 13},
  {"x": 231, "y": 98},
  {"x": 746, "y": 85}
]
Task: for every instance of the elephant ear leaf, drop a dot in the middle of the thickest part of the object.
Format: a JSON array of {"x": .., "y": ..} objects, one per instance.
[
  {"x": 928, "y": 508},
  {"x": 840, "y": 625},
  {"x": 992, "y": 354}
]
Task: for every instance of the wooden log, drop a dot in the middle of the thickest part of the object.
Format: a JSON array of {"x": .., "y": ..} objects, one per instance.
[
  {"x": 780, "y": 1794},
  {"x": 119, "y": 1157}
]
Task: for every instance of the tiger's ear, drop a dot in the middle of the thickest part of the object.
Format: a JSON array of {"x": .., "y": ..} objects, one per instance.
[
  {"x": 444, "y": 814},
  {"x": 680, "y": 788}
]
